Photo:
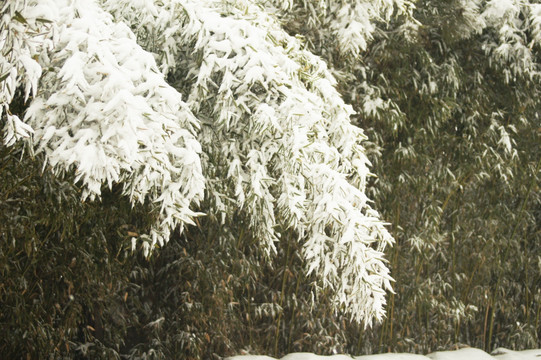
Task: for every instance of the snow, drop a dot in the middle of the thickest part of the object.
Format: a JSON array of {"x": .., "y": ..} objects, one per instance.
[
  {"x": 466, "y": 353},
  {"x": 506, "y": 354},
  {"x": 498, "y": 9},
  {"x": 392, "y": 356},
  {"x": 309, "y": 356},
  {"x": 461, "y": 354}
]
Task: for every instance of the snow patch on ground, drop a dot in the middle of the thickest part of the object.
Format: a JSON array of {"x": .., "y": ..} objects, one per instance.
[
  {"x": 466, "y": 353},
  {"x": 391, "y": 356},
  {"x": 461, "y": 354},
  {"x": 506, "y": 354},
  {"x": 310, "y": 356}
]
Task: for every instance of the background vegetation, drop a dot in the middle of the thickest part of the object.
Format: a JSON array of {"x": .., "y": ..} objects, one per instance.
[{"x": 454, "y": 137}]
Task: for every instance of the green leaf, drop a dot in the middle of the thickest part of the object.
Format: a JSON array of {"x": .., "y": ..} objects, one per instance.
[
  {"x": 20, "y": 18},
  {"x": 4, "y": 76},
  {"x": 46, "y": 21}
]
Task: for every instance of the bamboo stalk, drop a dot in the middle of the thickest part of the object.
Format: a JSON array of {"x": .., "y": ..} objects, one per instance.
[{"x": 284, "y": 278}]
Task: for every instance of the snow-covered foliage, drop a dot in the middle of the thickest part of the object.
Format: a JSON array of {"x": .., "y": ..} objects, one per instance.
[
  {"x": 234, "y": 115},
  {"x": 345, "y": 25},
  {"x": 274, "y": 126},
  {"x": 263, "y": 132},
  {"x": 448, "y": 100},
  {"x": 516, "y": 24},
  {"x": 353, "y": 23},
  {"x": 18, "y": 66},
  {"x": 103, "y": 108}
]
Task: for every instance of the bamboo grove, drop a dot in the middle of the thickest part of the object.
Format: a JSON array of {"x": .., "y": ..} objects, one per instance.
[{"x": 196, "y": 179}]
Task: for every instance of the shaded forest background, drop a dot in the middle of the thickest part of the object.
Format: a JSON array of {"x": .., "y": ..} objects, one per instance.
[{"x": 455, "y": 143}]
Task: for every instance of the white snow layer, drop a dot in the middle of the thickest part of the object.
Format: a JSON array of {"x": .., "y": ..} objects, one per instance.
[{"x": 461, "y": 354}]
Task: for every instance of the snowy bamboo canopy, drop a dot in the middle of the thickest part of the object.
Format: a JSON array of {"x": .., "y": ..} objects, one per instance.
[{"x": 248, "y": 121}]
